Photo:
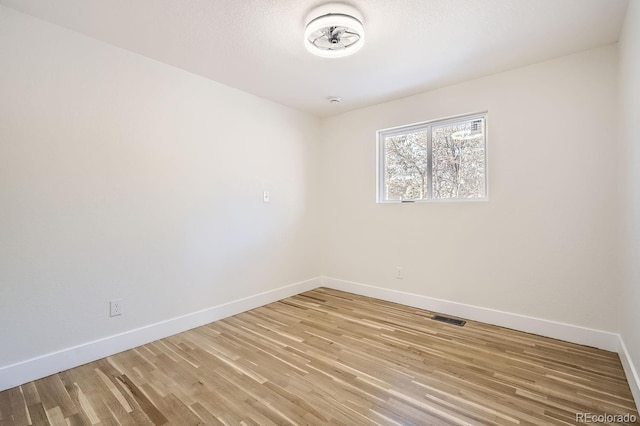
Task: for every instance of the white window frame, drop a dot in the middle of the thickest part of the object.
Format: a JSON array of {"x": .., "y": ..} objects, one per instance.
[{"x": 426, "y": 126}]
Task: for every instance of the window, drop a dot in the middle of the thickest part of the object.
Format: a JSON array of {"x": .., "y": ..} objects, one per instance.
[{"x": 434, "y": 161}]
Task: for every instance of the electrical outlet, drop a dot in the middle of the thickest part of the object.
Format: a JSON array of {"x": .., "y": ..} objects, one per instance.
[
  {"x": 115, "y": 307},
  {"x": 399, "y": 273},
  {"x": 266, "y": 197}
]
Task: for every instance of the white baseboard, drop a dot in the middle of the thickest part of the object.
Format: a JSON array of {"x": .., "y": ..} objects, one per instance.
[
  {"x": 52, "y": 363},
  {"x": 557, "y": 330},
  {"x": 630, "y": 371}
]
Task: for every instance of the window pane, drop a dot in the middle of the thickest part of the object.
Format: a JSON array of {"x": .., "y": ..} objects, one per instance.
[
  {"x": 459, "y": 160},
  {"x": 405, "y": 166}
]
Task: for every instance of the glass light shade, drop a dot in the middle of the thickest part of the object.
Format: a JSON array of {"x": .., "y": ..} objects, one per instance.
[{"x": 334, "y": 35}]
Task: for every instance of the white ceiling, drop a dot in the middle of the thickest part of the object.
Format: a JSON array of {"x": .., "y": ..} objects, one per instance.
[{"x": 411, "y": 45}]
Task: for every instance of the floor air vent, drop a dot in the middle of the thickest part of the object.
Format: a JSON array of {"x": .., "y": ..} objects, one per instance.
[{"x": 448, "y": 320}]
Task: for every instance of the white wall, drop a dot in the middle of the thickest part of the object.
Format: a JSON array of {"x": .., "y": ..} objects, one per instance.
[
  {"x": 122, "y": 177},
  {"x": 630, "y": 125},
  {"x": 545, "y": 245}
]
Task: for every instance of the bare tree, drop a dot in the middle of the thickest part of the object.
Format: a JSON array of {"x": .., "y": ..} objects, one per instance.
[
  {"x": 458, "y": 162},
  {"x": 406, "y": 166},
  {"x": 457, "y": 169}
]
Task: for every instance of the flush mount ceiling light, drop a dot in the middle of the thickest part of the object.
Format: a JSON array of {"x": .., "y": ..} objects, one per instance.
[{"x": 334, "y": 35}]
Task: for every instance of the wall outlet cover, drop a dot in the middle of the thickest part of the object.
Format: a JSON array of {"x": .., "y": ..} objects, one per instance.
[{"x": 115, "y": 307}]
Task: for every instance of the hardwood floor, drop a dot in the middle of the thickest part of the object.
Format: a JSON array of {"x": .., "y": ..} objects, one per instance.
[{"x": 327, "y": 356}]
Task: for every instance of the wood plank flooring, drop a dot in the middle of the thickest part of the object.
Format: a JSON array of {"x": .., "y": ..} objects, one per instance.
[{"x": 327, "y": 356}]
